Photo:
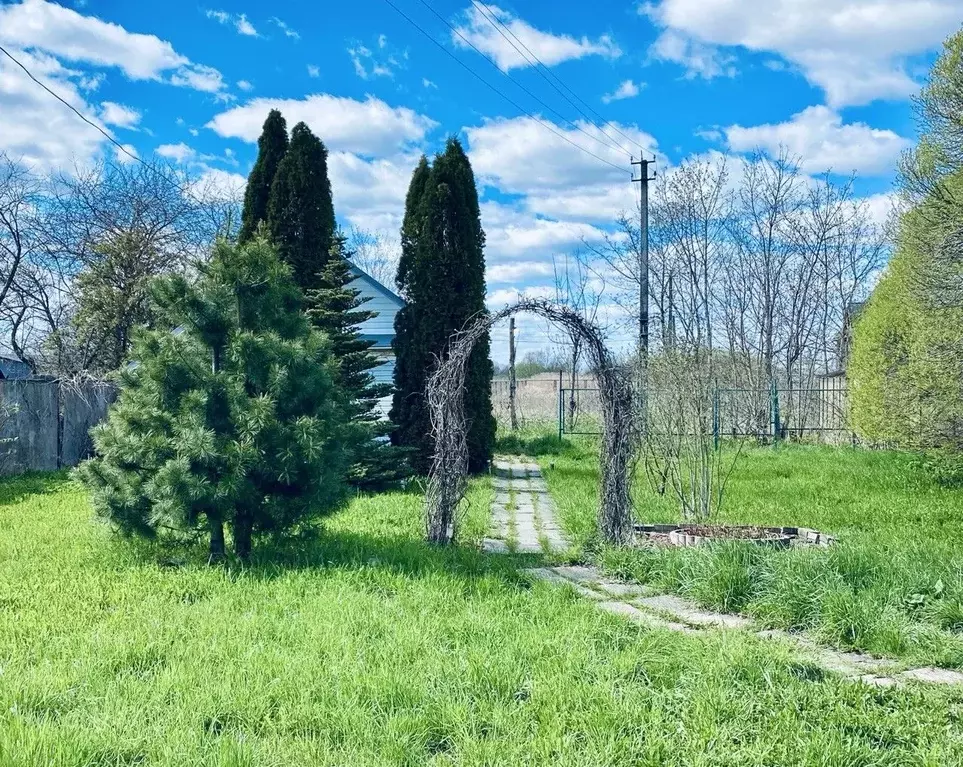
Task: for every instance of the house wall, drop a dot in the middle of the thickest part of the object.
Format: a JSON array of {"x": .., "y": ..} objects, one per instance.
[{"x": 380, "y": 329}]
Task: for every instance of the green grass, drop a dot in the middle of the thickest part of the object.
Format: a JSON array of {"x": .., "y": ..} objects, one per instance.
[
  {"x": 363, "y": 646},
  {"x": 892, "y": 585}
]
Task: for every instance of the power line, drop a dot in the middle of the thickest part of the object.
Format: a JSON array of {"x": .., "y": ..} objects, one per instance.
[
  {"x": 559, "y": 115},
  {"x": 511, "y": 101},
  {"x": 542, "y": 69},
  {"x": 181, "y": 189},
  {"x": 502, "y": 29}
]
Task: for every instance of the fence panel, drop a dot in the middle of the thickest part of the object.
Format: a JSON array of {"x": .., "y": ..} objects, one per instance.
[
  {"x": 83, "y": 407},
  {"x": 30, "y": 425}
]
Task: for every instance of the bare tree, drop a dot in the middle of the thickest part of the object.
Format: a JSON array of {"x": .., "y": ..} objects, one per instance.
[
  {"x": 574, "y": 290},
  {"x": 376, "y": 254}
]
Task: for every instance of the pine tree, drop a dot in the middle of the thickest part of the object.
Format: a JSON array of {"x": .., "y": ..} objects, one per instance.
[
  {"x": 231, "y": 415},
  {"x": 271, "y": 148},
  {"x": 442, "y": 274},
  {"x": 300, "y": 211},
  {"x": 337, "y": 309}
]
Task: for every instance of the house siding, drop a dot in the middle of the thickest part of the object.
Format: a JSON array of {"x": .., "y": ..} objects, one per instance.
[{"x": 380, "y": 328}]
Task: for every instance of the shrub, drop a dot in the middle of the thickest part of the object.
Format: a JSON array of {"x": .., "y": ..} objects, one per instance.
[{"x": 230, "y": 414}]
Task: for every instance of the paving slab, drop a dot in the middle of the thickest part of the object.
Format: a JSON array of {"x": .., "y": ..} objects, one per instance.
[
  {"x": 933, "y": 675},
  {"x": 687, "y": 612}
]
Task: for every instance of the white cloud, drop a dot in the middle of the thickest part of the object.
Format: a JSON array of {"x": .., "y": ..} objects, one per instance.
[
  {"x": 118, "y": 115},
  {"x": 240, "y": 22},
  {"x": 512, "y": 234},
  {"x": 627, "y": 89},
  {"x": 344, "y": 124},
  {"x": 517, "y": 270},
  {"x": 365, "y": 64},
  {"x": 126, "y": 155},
  {"x": 821, "y": 141},
  {"x": 550, "y": 49},
  {"x": 855, "y": 50},
  {"x": 428, "y": 83},
  {"x": 215, "y": 184},
  {"x": 313, "y": 71},
  {"x": 370, "y": 194},
  {"x": 177, "y": 152},
  {"x": 244, "y": 85},
  {"x": 38, "y": 25},
  {"x": 505, "y": 296},
  {"x": 288, "y": 32},
  {"x": 37, "y": 128},
  {"x": 699, "y": 59},
  {"x": 245, "y": 27},
  {"x": 521, "y": 155}
]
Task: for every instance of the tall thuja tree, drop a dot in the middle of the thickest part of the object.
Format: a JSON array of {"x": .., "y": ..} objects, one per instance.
[
  {"x": 231, "y": 416},
  {"x": 271, "y": 148},
  {"x": 338, "y": 309},
  {"x": 443, "y": 275},
  {"x": 412, "y": 357},
  {"x": 300, "y": 211}
]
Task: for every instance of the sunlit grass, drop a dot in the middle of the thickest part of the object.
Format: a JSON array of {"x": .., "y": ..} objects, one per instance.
[
  {"x": 364, "y": 646},
  {"x": 893, "y": 584}
]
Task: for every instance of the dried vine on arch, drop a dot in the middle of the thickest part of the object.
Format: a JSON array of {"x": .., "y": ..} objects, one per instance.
[{"x": 445, "y": 393}]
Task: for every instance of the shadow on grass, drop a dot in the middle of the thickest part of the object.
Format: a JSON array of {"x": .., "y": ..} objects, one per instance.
[{"x": 17, "y": 488}]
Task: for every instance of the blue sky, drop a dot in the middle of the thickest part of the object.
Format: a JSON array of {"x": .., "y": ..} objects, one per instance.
[{"x": 828, "y": 79}]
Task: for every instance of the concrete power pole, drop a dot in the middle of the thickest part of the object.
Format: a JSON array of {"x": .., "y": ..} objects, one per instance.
[
  {"x": 512, "y": 382},
  {"x": 643, "y": 182}
]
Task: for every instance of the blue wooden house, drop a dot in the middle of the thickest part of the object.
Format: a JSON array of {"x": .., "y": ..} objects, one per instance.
[{"x": 380, "y": 329}]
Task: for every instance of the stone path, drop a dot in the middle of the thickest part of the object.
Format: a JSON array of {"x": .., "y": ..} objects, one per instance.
[
  {"x": 523, "y": 514},
  {"x": 645, "y": 606}
]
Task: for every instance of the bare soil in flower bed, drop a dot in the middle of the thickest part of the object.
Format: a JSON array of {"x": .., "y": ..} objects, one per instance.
[
  {"x": 740, "y": 532},
  {"x": 696, "y": 534}
]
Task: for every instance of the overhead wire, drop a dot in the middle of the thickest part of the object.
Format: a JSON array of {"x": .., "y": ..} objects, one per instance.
[
  {"x": 543, "y": 123},
  {"x": 551, "y": 109},
  {"x": 534, "y": 61}
]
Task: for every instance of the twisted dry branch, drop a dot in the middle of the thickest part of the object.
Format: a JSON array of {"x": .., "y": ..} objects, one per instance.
[{"x": 446, "y": 404}]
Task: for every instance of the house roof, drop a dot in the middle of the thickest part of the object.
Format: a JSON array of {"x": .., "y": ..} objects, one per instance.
[{"x": 386, "y": 292}]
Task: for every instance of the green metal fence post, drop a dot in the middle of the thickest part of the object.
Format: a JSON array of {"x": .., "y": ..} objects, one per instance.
[
  {"x": 774, "y": 399},
  {"x": 561, "y": 408},
  {"x": 715, "y": 416}
]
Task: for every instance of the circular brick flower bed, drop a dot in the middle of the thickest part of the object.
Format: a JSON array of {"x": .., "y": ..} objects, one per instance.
[{"x": 697, "y": 535}]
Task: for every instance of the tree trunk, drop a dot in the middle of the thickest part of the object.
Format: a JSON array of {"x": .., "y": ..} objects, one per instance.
[
  {"x": 217, "y": 552},
  {"x": 242, "y": 537}
]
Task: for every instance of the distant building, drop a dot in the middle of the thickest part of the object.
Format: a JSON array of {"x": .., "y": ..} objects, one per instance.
[
  {"x": 12, "y": 367},
  {"x": 380, "y": 329}
]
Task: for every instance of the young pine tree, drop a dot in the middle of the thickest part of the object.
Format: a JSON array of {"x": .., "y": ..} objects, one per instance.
[
  {"x": 442, "y": 274},
  {"x": 300, "y": 211},
  {"x": 337, "y": 309},
  {"x": 230, "y": 417},
  {"x": 271, "y": 148}
]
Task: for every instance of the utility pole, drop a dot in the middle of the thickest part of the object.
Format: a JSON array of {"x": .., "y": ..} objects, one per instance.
[
  {"x": 512, "y": 382},
  {"x": 643, "y": 377},
  {"x": 643, "y": 182}
]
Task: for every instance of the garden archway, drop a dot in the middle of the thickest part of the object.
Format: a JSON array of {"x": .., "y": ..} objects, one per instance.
[{"x": 445, "y": 395}]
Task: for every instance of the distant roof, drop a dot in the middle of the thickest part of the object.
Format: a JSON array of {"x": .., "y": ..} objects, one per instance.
[{"x": 387, "y": 292}]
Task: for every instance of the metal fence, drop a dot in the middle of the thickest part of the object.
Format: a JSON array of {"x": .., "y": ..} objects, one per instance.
[{"x": 814, "y": 413}]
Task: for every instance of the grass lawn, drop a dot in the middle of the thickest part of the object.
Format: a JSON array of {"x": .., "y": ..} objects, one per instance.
[
  {"x": 365, "y": 647},
  {"x": 892, "y": 585}
]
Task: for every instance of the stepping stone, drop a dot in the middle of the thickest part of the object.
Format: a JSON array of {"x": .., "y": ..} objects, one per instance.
[
  {"x": 934, "y": 675},
  {"x": 578, "y": 573},
  {"x": 528, "y": 548},
  {"x": 690, "y": 613},
  {"x": 639, "y": 616},
  {"x": 547, "y": 574},
  {"x": 494, "y": 546},
  {"x": 621, "y": 590}
]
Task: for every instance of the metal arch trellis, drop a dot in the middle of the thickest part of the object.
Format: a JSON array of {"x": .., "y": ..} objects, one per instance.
[{"x": 445, "y": 395}]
